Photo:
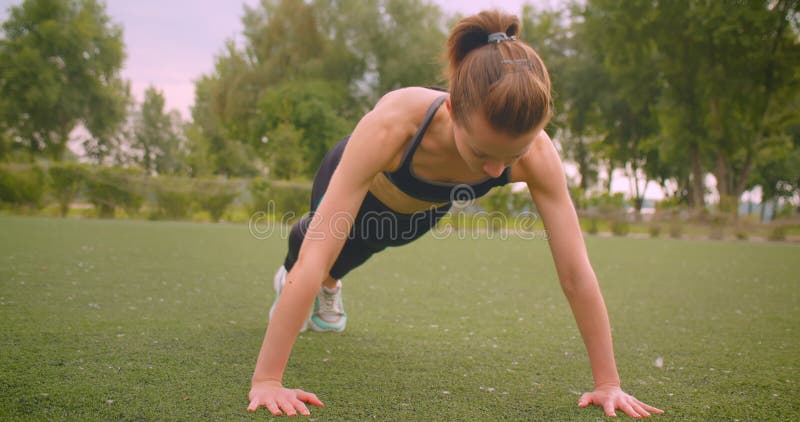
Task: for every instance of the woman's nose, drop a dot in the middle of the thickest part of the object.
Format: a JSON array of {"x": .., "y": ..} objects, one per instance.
[{"x": 493, "y": 169}]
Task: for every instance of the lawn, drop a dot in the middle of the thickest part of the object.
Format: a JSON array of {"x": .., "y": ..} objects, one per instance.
[{"x": 129, "y": 320}]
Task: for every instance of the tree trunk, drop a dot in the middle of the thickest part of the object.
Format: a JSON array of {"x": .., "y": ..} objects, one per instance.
[{"x": 697, "y": 192}]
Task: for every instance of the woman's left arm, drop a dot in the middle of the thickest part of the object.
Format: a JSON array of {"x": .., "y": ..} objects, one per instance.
[{"x": 541, "y": 169}]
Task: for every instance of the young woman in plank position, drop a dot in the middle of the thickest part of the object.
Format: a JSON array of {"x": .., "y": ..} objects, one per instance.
[{"x": 408, "y": 158}]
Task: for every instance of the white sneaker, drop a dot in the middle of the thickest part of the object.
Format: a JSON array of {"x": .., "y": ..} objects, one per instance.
[
  {"x": 277, "y": 283},
  {"x": 328, "y": 313}
]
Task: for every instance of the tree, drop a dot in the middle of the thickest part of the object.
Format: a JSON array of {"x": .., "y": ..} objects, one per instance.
[
  {"x": 61, "y": 61},
  {"x": 303, "y": 114},
  {"x": 213, "y": 140},
  {"x": 578, "y": 83},
  {"x": 617, "y": 33},
  {"x": 730, "y": 80},
  {"x": 157, "y": 135}
]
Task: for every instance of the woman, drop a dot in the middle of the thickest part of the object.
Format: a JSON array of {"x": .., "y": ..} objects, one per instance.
[{"x": 407, "y": 159}]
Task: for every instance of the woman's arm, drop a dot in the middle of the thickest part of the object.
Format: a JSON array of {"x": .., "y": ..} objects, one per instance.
[
  {"x": 376, "y": 140},
  {"x": 541, "y": 169}
]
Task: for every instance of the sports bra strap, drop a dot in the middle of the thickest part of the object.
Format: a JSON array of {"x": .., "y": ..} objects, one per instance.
[{"x": 409, "y": 153}]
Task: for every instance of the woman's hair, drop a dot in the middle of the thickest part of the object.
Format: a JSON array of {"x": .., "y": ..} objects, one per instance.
[{"x": 505, "y": 80}]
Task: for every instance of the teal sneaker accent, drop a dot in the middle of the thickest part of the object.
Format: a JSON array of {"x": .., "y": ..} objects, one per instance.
[
  {"x": 328, "y": 313},
  {"x": 277, "y": 283}
]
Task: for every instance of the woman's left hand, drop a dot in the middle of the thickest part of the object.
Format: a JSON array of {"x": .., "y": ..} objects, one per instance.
[{"x": 612, "y": 398}]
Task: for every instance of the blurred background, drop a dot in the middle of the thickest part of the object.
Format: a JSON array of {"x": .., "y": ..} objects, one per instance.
[{"x": 674, "y": 118}]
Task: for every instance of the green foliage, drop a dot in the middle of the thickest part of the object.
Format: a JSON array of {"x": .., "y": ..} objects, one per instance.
[
  {"x": 718, "y": 222},
  {"x": 654, "y": 230},
  {"x": 260, "y": 190},
  {"x": 157, "y": 136},
  {"x": 67, "y": 180},
  {"x": 22, "y": 186},
  {"x": 299, "y": 123},
  {"x": 287, "y": 99},
  {"x": 607, "y": 204},
  {"x": 620, "y": 227},
  {"x": 215, "y": 196},
  {"x": 777, "y": 233},
  {"x": 110, "y": 188},
  {"x": 593, "y": 226},
  {"x": 284, "y": 201},
  {"x": 497, "y": 200},
  {"x": 291, "y": 201},
  {"x": 173, "y": 195},
  {"x": 286, "y": 158},
  {"x": 61, "y": 62},
  {"x": 742, "y": 233},
  {"x": 675, "y": 229}
]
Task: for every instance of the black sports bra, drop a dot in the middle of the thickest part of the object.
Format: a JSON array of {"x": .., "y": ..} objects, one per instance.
[{"x": 427, "y": 190}]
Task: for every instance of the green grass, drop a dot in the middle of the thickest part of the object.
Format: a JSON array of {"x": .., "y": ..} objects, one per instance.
[{"x": 128, "y": 320}]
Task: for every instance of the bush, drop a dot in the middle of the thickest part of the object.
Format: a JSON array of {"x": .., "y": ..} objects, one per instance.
[
  {"x": 173, "y": 196},
  {"x": 718, "y": 223},
  {"x": 620, "y": 227},
  {"x": 777, "y": 233},
  {"x": 290, "y": 199},
  {"x": 260, "y": 194},
  {"x": 67, "y": 180},
  {"x": 742, "y": 234},
  {"x": 593, "y": 226},
  {"x": 655, "y": 230},
  {"x": 22, "y": 186},
  {"x": 675, "y": 229},
  {"x": 608, "y": 205},
  {"x": 215, "y": 196},
  {"x": 109, "y": 188},
  {"x": 497, "y": 200}
]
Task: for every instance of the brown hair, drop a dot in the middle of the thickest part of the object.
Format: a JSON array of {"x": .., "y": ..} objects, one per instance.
[{"x": 506, "y": 80}]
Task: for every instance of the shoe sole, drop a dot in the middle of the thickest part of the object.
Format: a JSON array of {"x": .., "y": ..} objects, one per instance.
[{"x": 315, "y": 327}]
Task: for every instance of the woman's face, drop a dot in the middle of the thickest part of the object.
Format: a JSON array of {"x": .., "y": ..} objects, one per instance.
[{"x": 486, "y": 150}]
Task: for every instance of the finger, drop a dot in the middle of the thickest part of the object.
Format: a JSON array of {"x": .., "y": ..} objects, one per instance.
[
  {"x": 301, "y": 408},
  {"x": 639, "y": 409},
  {"x": 310, "y": 398},
  {"x": 629, "y": 410},
  {"x": 608, "y": 407},
  {"x": 273, "y": 408},
  {"x": 287, "y": 407},
  {"x": 585, "y": 400},
  {"x": 253, "y": 406},
  {"x": 650, "y": 408}
]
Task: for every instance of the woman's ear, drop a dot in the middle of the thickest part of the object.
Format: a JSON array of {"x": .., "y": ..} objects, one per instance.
[{"x": 449, "y": 106}]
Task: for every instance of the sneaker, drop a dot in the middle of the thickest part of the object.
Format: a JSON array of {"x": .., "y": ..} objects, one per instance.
[
  {"x": 277, "y": 283},
  {"x": 328, "y": 312}
]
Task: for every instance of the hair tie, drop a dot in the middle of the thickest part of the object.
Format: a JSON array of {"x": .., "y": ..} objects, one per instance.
[{"x": 499, "y": 37}]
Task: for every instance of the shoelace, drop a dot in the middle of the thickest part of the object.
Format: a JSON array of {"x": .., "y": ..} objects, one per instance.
[{"x": 330, "y": 304}]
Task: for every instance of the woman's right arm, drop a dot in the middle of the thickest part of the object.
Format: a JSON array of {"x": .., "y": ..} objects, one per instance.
[{"x": 375, "y": 141}]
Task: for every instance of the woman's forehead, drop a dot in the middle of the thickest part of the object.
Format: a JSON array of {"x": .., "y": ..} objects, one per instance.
[{"x": 488, "y": 140}]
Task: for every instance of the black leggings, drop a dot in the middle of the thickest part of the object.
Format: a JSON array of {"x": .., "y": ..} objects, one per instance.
[{"x": 375, "y": 227}]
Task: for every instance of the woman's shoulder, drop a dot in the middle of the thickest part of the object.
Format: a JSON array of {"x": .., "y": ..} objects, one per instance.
[
  {"x": 405, "y": 108},
  {"x": 410, "y": 100},
  {"x": 540, "y": 166}
]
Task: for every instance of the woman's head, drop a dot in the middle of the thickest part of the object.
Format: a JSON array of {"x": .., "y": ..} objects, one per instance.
[{"x": 502, "y": 80}]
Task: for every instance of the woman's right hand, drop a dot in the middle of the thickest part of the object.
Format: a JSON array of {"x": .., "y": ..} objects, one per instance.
[{"x": 279, "y": 400}]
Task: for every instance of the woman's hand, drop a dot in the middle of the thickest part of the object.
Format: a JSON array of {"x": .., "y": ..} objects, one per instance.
[
  {"x": 279, "y": 400},
  {"x": 612, "y": 398}
]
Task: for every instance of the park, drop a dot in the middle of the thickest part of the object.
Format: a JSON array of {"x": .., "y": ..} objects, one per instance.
[{"x": 138, "y": 241}]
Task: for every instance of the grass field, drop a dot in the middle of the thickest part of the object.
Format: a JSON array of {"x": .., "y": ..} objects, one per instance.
[{"x": 130, "y": 320}]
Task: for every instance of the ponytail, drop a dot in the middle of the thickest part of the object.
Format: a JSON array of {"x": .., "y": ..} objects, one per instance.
[{"x": 490, "y": 71}]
